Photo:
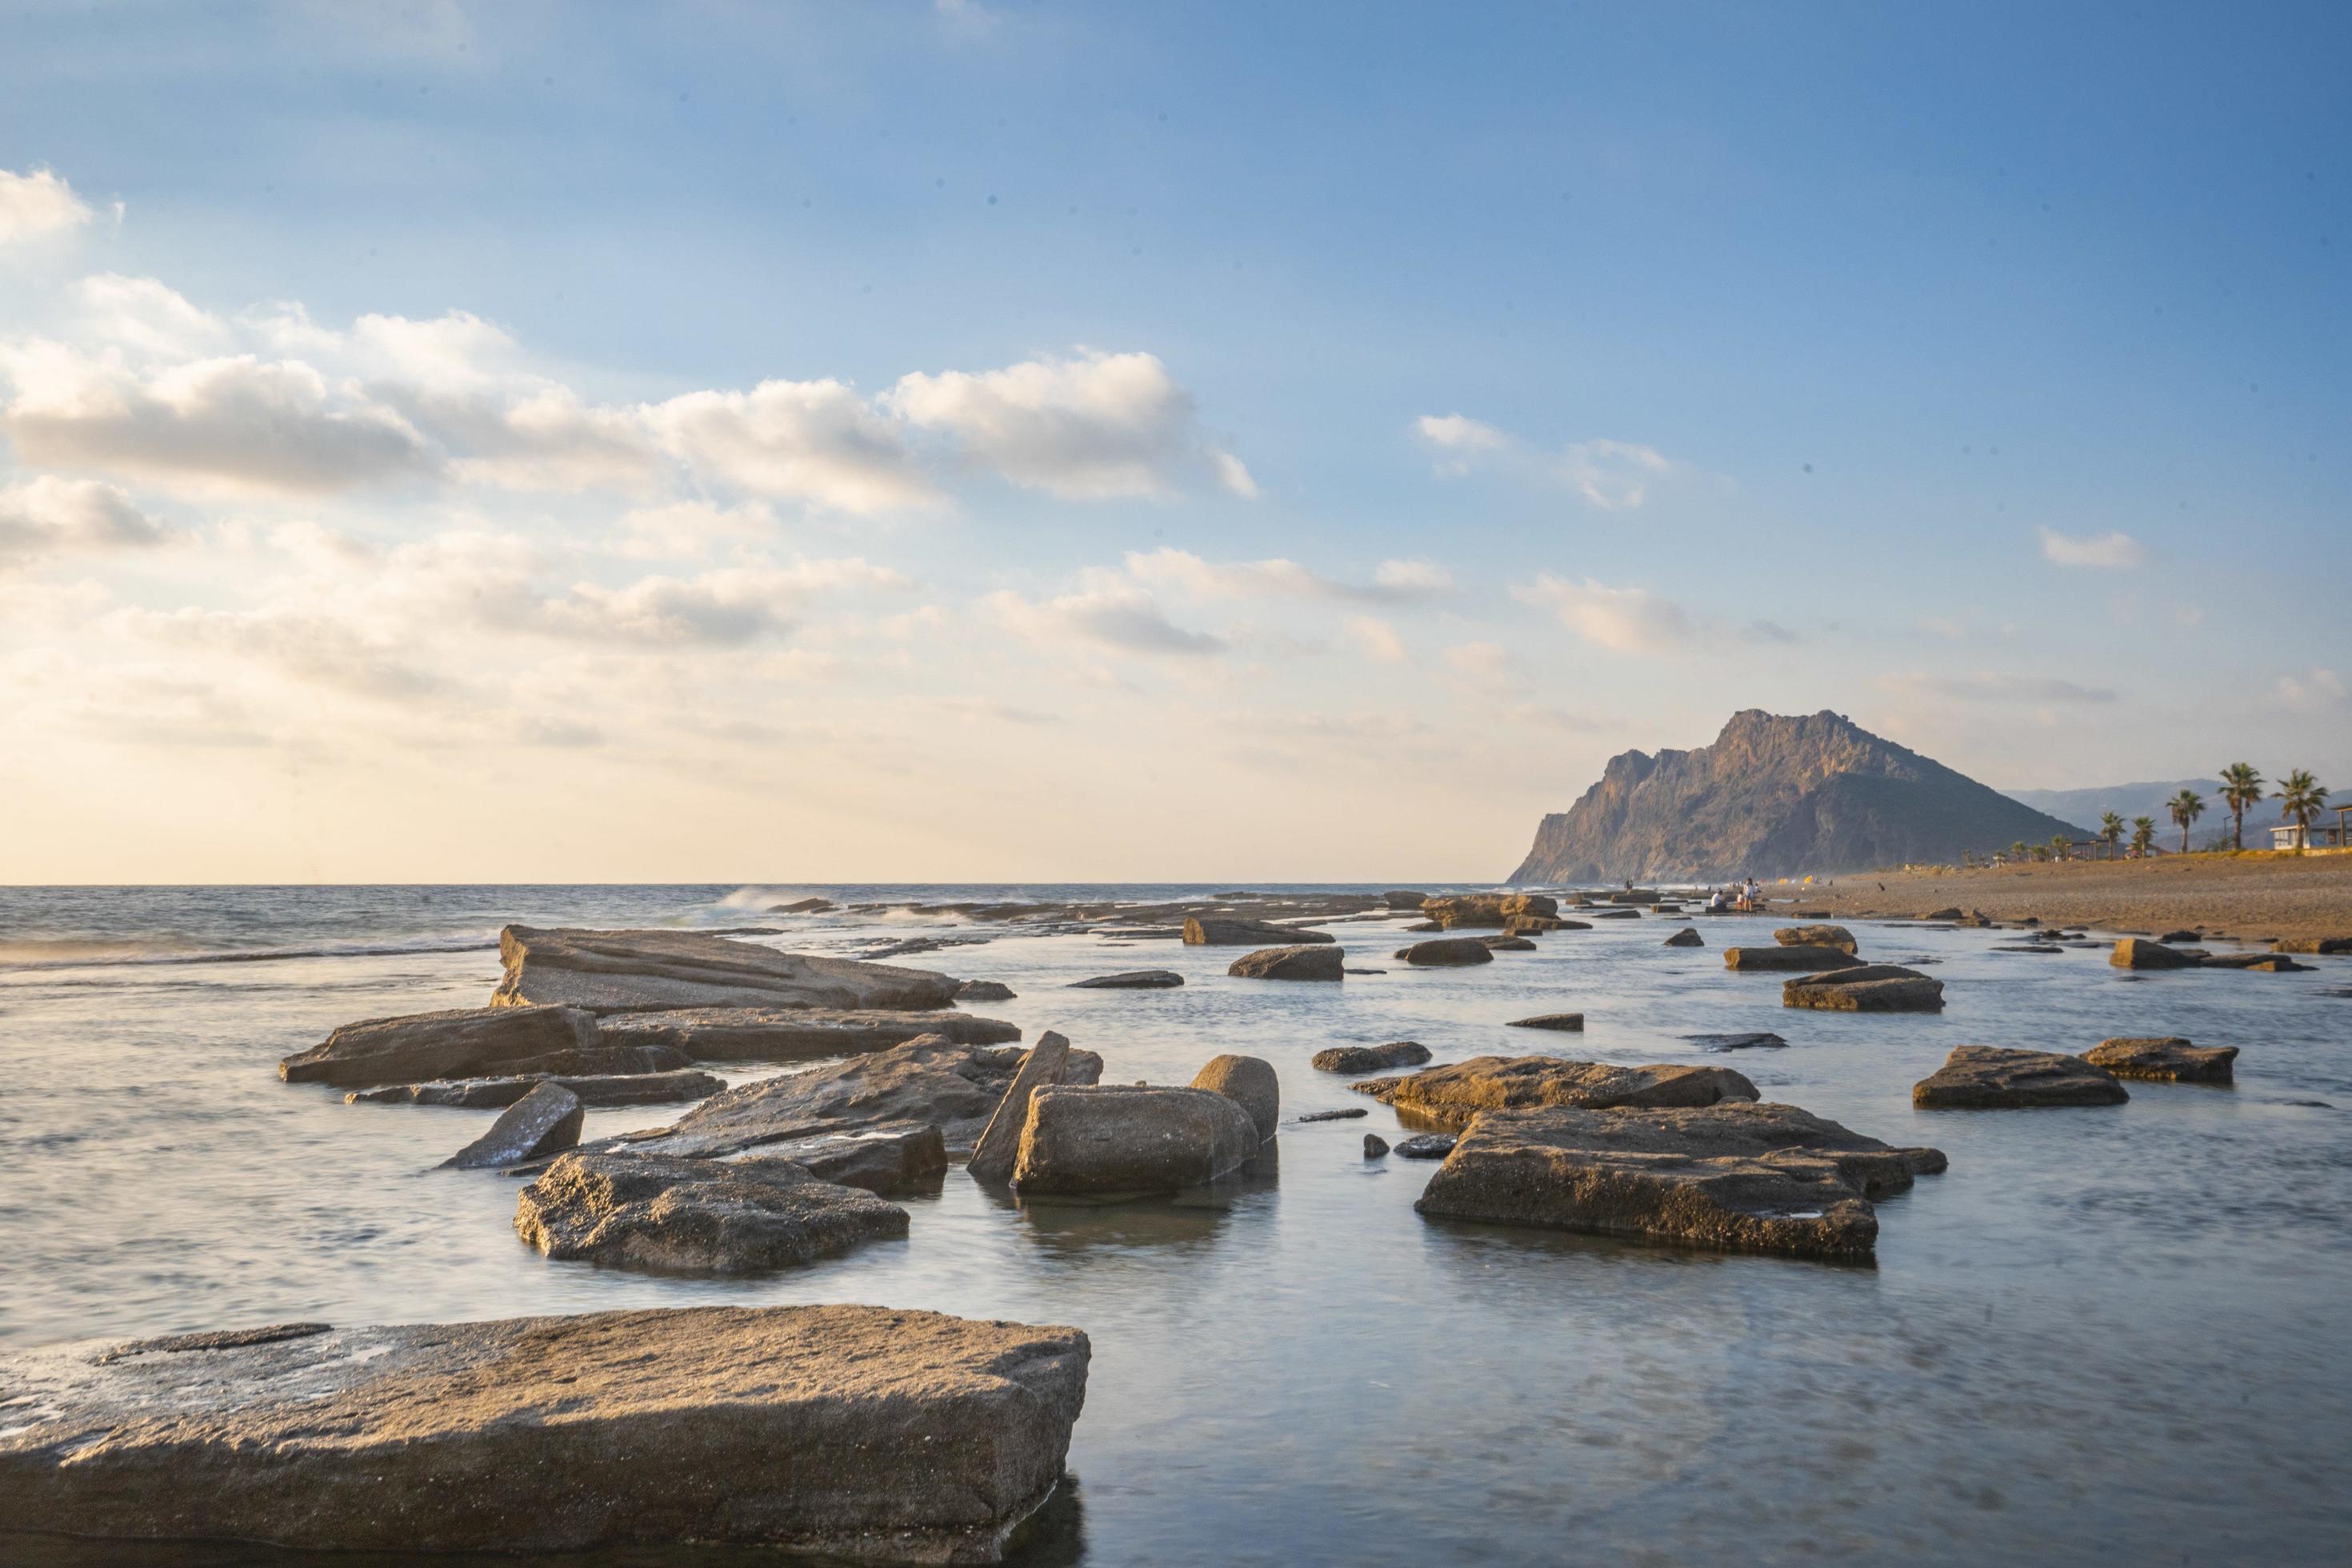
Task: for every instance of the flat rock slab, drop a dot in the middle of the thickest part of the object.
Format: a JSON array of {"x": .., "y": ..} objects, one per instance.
[
  {"x": 1132, "y": 980},
  {"x": 929, "y": 1079},
  {"x": 1447, "y": 950},
  {"x": 1211, "y": 931},
  {"x": 1808, "y": 958},
  {"x": 796, "y": 1033},
  {"x": 1616, "y": 914},
  {"x": 1352, "y": 1114},
  {"x": 2266, "y": 962},
  {"x": 654, "y": 971},
  {"x": 1111, "y": 1140},
  {"x": 1733, "y": 1177},
  {"x": 1507, "y": 943},
  {"x": 490, "y": 1093},
  {"x": 889, "y": 1161},
  {"x": 1453, "y": 1094},
  {"x": 1459, "y": 909},
  {"x": 1865, "y": 988},
  {"x": 2168, "y": 1058},
  {"x": 1371, "y": 1058},
  {"x": 1570, "y": 1021},
  {"x": 1303, "y": 963},
  {"x": 1984, "y": 1078},
  {"x": 468, "y": 1042},
  {"x": 543, "y": 1123},
  {"x": 1833, "y": 936},
  {"x": 2138, "y": 952},
  {"x": 664, "y": 1215},
  {"x": 2325, "y": 944},
  {"x": 857, "y": 1432},
  {"x": 1757, "y": 1040}
]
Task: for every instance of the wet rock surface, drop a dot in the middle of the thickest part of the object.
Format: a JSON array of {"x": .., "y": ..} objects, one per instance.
[
  {"x": 1757, "y": 1040},
  {"x": 712, "y": 1423},
  {"x": 892, "y": 1162},
  {"x": 1686, "y": 937},
  {"x": 1375, "y": 1145},
  {"x": 1734, "y": 1176},
  {"x": 1216, "y": 931},
  {"x": 1454, "y": 1093},
  {"x": 795, "y": 1034},
  {"x": 491, "y": 1093},
  {"x": 653, "y": 971},
  {"x": 1131, "y": 980},
  {"x": 1507, "y": 944},
  {"x": 1446, "y": 952},
  {"x": 544, "y": 1121},
  {"x": 660, "y": 1214},
  {"x": 1109, "y": 1140},
  {"x": 2138, "y": 952},
  {"x": 1566, "y": 1021},
  {"x": 1304, "y": 962},
  {"x": 1808, "y": 958},
  {"x": 1426, "y": 1146},
  {"x": 470, "y": 1042},
  {"x": 1985, "y": 1078},
  {"x": 1865, "y": 988},
  {"x": 1371, "y": 1058},
  {"x": 2166, "y": 1058}
]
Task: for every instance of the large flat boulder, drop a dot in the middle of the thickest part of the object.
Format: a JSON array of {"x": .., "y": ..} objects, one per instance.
[
  {"x": 1865, "y": 988},
  {"x": 1457, "y": 1091},
  {"x": 1460, "y": 910},
  {"x": 796, "y": 1033},
  {"x": 893, "y": 1160},
  {"x": 1732, "y": 1176},
  {"x": 469, "y": 1042},
  {"x": 1985, "y": 1078},
  {"x": 2138, "y": 952},
  {"x": 928, "y": 1080},
  {"x": 1572, "y": 1023},
  {"x": 1794, "y": 958},
  {"x": 660, "y": 1214},
  {"x": 1220, "y": 931},
  {"x": 1131, "y": 980},
  {"x": 2167, "y": 1057},
  {"x": 2327, "y": 945},
  {"x": 1110, "y": 1140},
  {"x": 543, "y": 1123},
  {"x": 1446, "y": 952},
  {"x": 1833, "y": 936},
  {"x": 492, "y": 1093},
  {"x": 863, "y": 1433},
  {"x": 654, "y": 970},
  {"x": 1307, "y": 962},
  {"x": 1371, "y": 1058}
]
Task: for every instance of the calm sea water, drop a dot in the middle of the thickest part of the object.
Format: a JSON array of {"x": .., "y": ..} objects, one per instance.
[{"x": 2121, "y": 1335}]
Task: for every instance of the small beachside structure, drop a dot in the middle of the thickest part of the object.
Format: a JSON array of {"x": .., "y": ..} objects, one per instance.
[{"x": 2289, "y": 835}]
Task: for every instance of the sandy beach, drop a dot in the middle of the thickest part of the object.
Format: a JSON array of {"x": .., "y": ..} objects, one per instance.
[{"x": 2256, "y": 896}]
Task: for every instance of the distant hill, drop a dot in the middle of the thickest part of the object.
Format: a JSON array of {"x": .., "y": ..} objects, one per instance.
[
  {"x": 1777, "y": 796},
  {"x": 2130, "y": 800}
]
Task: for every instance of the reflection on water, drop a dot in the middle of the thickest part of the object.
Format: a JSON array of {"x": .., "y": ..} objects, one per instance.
[{"x": 2109, "y": 1334}]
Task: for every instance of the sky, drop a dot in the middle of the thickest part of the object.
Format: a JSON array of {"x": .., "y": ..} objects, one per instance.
[{"x": 911, "y": 441}]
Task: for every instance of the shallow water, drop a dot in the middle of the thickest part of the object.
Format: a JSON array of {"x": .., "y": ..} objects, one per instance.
[{"x": 2114, "y": 1334}]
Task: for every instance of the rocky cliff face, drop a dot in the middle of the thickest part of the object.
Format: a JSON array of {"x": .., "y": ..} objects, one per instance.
[{"x": 1775, "y": 796}]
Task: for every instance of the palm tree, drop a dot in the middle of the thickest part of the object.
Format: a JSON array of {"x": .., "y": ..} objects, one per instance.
[
  {"x": 2111, "y": 831},
  {"x": 2060, "y": 845},
  {"x": 2017, "y": 850},
  {"x": 2242, "y": 790},
  {"x": 2185, "y": 808},
  {"x": 2300, "y": 797},
  {"x": 2143, "y": 836}
]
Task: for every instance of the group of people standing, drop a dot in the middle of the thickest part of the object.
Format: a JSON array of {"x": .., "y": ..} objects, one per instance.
[{"x": 1747, "y": 893}]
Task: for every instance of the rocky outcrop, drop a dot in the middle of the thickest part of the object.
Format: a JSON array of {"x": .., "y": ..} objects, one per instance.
[
  {"x": 1426, "y": 1146},
  {"x": 993, "y": 1153},
  {"x": 1734, "y": 1177},
  {"x": 2168, "y": 1058},
  {"x": 660, "y": 1214},
  {"x": 1250, "y": 1083},
  {"x": 471, "y": 1042},
  {"x": 1375, "y": 1145},
  {"x": 1291, "y": 963},
  {"x": 544, "y": 1121},
  {"x": 1568, "y": 1021},
  {"x": 795, "y": 1033},
  {"x": 1686, "y": 937},
  {"x": 1131, "y": 980},
  {"x": 811, "y": 905},
  {"x": 930, "y": 1081},
  {"x": 1213, "y": 931},
  {"x": 1750, "y": 1040},
  {"x": 492, "y": 1093},
  {"x": 1784, "y": 958},
  {"x": 892, "y": 1161},
  {"x": 2138, "y": 952},
  {"x": 1111, "y": 1140},
  {"x": 1404, "y": 901},
  {"x": 2327, "y": 944},
  {"x": 1865, "y": 988},
  {"x": 1453, "y": 1094},
  {"x": 1833, "y": 936},
  {"x": 1446, "y": 952},
  {"x": 1507, "y": 943},
  {"x": 654, "y": 970},
  {"x": 1775, "y": 796},
  {"x": 1475, "y": 910},
  {"x": 542, "y": 1435},
  {"x": 1371, "y": 1058},
  {"x": 1983, "y": 1077},
  {"x": 985, "y": 991}
]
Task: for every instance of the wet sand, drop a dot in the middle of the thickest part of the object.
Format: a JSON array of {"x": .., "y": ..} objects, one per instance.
[{"x": 2256, "y": 896}]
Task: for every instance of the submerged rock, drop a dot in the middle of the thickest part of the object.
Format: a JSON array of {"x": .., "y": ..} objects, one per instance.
[
  {"x": 1866, "y": 988},
  {"x": 1216, "y": 930},
  {"x": 667, "y": 1215},
  {"x": 650, "y": 971},
  {"x": 1507, "y": 944},
  {"x": 1446, "y": 950},
  {"x": 1308, "y": 963},
  {"x": 1833, "y": 936},
  {"x": 1132, "y": 980},
  {"x": 1755, "y": 1040},
  {"x": 1250, "y": 1082},
  {"x": 1352, "y": 1114},
  {"x": 1119, "y": 1139},
  {"x": 985, "y": 991},
  {"x": 802, "y": 907},
  {"x": 795, "y": 1034},
  {"x": 491, "y": 1093},
  {"x": 1789, "y": 957},
  {"x": 544, "y": 1121},
  {"x": 1686, "y": 937},
  {"x": 1570, "y": 1021},
  {"x": 1453, "y": 1094},
  {"x": 2168, "y": 1057},
  {"x": 1375, "y": 1145},
  {"x": 1983, "y": 1077},
  {"x": 541, "y": 1435},
  {"x": 1371, "y": 1058},
  {"x": 1734, "y": 1176},
  {"x": 1426, "y": 1146},
  {"x": 469, "y": 1042},
  {"x": 2138, "y": 952}
]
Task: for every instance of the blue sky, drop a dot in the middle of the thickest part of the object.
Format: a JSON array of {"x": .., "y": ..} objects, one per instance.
[{"x": 1586, "y": 373}]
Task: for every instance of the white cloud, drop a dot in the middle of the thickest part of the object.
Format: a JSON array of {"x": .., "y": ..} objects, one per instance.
[
  {"x": 37, "y": 203},
  {"x": 812, "y": 441},
  {"x": 147, "y": 315},
  {"x": 1615, "y": 476},
  {"x": 548, "y": 439},
  {"x": 1628, "y": 619},
  {"x": 1393, "y": 581},
  {"x": 1092, "y": 427},
  {"x": 2313, "y": 690},
  {"x": 1990, "y": 687},
  {"x": 1107, "y": 614},
  {"x": 1489, "y": 665},
  {"x": 46, "y": 515},
  {"x": 456, "y": 351},
  {"x": 722, "y": 608},
  {"x": 2107, "y": 552},
  {"x": 694, "y": 527},
  {"x": 1376, "y": 639}
]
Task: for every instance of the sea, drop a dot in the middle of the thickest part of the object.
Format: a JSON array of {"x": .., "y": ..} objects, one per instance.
[{"x": 2118, "y": 1334}]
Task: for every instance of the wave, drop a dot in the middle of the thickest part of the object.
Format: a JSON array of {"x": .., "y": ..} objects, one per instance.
[{"x": 78, "y": 954}]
